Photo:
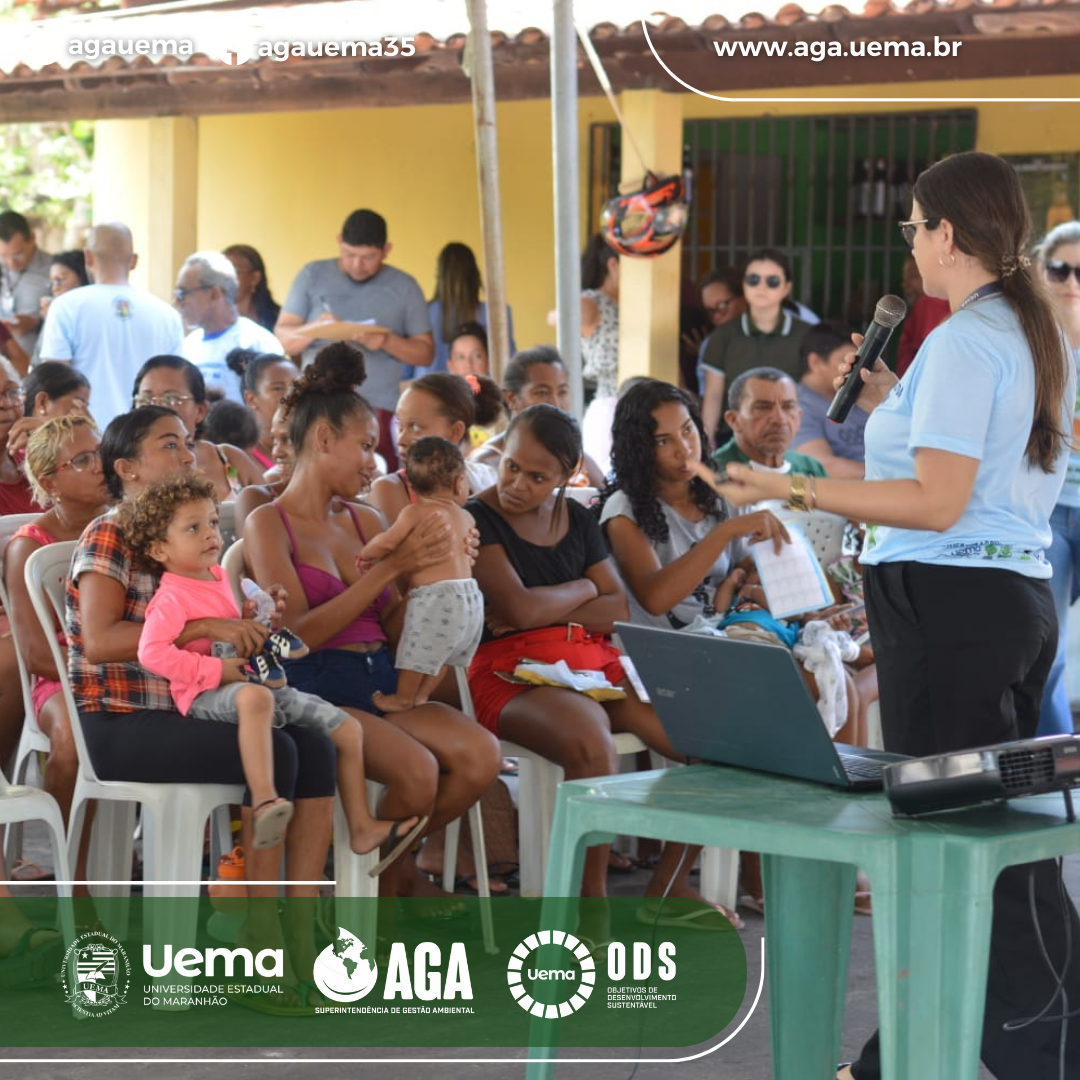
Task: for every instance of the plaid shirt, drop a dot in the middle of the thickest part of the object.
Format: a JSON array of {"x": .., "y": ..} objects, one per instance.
[{"x": 122, "y": 686}]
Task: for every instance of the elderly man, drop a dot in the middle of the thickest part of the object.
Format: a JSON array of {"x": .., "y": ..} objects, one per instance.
[
  {"x": 764, "y": 414},
  {"x": 358, "y": 286},
  {"x": 206, "y": 299},
  {"x": 24, "y": 280},
  {"x": 109, "y": 329}
]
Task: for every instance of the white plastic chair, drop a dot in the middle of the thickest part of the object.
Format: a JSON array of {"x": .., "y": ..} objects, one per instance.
[
  {"x": 174, "y": 815},
  {"x": 19, "y": 804},
  {"x": 32, "y": 739}
]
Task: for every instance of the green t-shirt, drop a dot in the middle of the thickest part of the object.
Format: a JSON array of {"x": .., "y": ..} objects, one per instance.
[
  {"x": 738, "y": 346},
  {"x": 802, "y": 464}
]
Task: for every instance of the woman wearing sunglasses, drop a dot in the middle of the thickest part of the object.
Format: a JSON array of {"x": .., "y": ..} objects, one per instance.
[
  {"x": 765, "y": 335},
  {"x": 965, "y": 459},
  {"x": 1059, "y": 259}
]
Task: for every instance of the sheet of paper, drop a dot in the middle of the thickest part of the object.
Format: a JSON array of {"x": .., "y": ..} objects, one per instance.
[
  {"x": 793, "y": 580},
  {"x": 337, "y": 331}
]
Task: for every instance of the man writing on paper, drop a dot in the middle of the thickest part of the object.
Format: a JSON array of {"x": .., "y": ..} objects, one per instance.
[{"x": 358, "y": 286}]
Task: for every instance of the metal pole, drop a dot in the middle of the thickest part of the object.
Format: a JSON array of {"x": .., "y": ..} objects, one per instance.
[
  {"x": 564, "y": 145},
  {"x": 487, "y": 170}
]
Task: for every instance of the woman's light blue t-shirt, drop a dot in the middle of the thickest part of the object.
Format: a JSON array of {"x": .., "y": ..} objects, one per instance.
[{"x": 970, "y": 391}]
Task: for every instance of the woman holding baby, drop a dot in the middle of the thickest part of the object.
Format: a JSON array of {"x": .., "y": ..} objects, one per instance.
[{"x": 431, "y": 758}]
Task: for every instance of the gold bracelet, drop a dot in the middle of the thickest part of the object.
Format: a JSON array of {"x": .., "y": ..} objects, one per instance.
[
  {"x": 797, "y": 496},
  {"x": 813, "y": 493}
]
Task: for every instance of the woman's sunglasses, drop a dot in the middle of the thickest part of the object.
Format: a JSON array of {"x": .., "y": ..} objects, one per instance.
[
  {"x": 1058, "y": 271},
  {"x": 773, "y": 281}
]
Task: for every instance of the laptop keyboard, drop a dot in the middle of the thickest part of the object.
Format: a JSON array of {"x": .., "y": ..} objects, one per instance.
[{"x": 859, "y": 768}]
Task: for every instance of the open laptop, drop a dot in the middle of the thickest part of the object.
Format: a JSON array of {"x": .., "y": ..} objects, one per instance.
[{"x": 742, "y": 703}]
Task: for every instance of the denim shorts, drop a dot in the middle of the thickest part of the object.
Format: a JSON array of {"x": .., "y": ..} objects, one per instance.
[{"x": 346, "y": 679}]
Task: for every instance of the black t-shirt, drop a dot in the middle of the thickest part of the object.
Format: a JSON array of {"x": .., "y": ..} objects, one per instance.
[{"x": 583, "y": 546}]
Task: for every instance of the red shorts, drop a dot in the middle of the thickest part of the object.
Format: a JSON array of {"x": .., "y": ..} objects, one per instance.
[{"x": 581, "y": 650}]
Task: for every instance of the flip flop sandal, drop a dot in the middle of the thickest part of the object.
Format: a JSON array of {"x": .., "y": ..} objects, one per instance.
[
  {"x": 468, "y": 884},
  {"x": 270, "y": 820},
  {"x": 398, "y": 843},
  {"x": 24, "y": 870},
  {"x": 689, "y": 920}
]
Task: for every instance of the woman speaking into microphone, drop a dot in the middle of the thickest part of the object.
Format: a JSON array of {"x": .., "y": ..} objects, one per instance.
[{"x": 965, "y": 457}]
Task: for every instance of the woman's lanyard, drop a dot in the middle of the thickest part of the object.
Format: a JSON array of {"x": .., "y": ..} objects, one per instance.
[{"x": 991, "y": 288}]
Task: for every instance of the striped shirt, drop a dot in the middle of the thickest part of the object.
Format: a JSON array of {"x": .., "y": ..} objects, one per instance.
[{"x": 121, "y": 686}]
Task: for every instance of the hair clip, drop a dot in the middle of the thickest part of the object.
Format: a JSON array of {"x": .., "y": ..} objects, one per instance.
[{"x": 474, "y": 384}]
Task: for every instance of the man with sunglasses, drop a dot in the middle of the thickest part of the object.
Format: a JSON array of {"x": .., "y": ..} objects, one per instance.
[
  {"x": 764, "y": 335},
  {"x": 106, "y": 330}
]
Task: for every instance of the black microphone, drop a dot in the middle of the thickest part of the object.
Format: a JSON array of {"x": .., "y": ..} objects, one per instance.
[{"x": 888, "y": 315}]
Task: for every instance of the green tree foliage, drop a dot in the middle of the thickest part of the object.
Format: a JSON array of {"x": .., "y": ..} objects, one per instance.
[{"x": 45, "y": 174}]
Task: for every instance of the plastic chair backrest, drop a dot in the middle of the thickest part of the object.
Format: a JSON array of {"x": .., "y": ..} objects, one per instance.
[
  {"x": 227, "y": 521},
  {"x": 9, "y": 525},
  {"x": 46, "y": 575}
]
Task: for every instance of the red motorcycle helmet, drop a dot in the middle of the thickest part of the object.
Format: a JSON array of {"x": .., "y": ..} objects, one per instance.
[{"x": 648, "y": 222}]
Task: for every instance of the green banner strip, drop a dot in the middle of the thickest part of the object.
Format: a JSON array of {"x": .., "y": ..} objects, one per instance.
[{"x": 169, "y": 972}]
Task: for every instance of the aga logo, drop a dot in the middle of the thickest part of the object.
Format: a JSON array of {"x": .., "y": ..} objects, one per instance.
[{"x": 96, "y": 974}]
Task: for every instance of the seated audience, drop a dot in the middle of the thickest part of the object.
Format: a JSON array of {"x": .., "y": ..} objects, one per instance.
[
  {"x": 446, "y": 406},
  {"x": 132, "y": 728},
  {"x": 275, "y": 478},
  {"x": 535, "y": 376},
  {"x": 63, "y": 466},
  {"x": 265, "y": 379},
  {"x": 177, "y": 384},
  {"x": 51, "y": 389},
  {"x": 230, "y": 422},
  {"x": 552, "y": 593},
  {"x": 764, "y": 414}
]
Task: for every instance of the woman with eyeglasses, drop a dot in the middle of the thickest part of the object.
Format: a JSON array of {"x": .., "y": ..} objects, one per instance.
[
  {"x": 1059, "y": 259},
  {"x": 965, "y": 460},
  {"x": 133, "y": 731},
  {"x": 177, "y": 384},
  {"x": 63, "y": 465},
  {"x": 764, "y": 335}
]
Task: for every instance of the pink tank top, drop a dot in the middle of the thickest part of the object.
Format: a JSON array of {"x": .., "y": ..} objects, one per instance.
[{"x": 321, "y": 586}]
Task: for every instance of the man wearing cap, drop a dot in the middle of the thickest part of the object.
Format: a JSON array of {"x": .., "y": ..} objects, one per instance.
[
  {"x": 358, "y": 286},
  {"x": 206, "y": 299}
]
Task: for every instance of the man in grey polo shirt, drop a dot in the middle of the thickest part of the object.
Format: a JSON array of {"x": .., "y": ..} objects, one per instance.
[
  {"x": 358, "y": 286},
  {"x": 24, "y": 279}
]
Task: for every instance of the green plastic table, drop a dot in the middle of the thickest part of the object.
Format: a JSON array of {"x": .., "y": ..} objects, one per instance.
[{"x": 932, "y": 881}]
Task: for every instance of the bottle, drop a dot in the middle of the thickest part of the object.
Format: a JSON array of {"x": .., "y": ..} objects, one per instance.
[
  {"x": 880, "y": 188},
  {"x": 228, "y": 893},
  {"x": 264, "y": 604},
  {"x": 860, "y": 189}
]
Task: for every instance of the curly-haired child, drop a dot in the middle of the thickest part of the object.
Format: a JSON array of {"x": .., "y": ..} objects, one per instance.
[{"x": 174, "y": 526}]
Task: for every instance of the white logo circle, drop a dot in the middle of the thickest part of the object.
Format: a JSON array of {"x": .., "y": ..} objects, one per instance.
[
  {"x": 583, "y": 989},
  {"x": 342, "y": 972},
  {"x": 96, "y": 974}
]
